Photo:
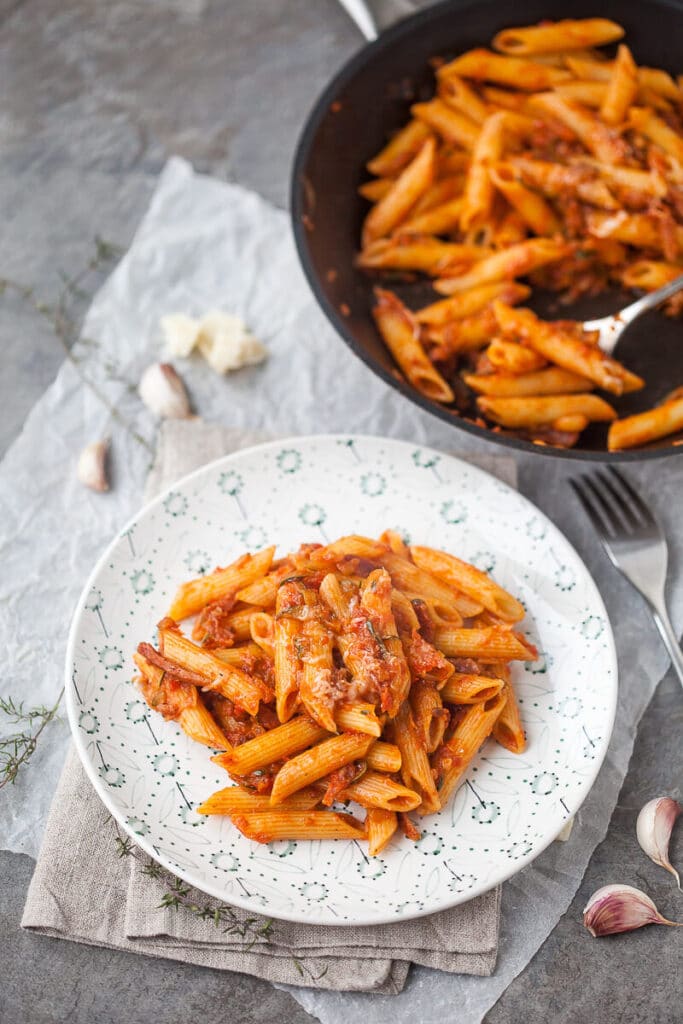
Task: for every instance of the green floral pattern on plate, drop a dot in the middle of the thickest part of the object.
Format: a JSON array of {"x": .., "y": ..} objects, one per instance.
[{"x": 151, "y": 776}]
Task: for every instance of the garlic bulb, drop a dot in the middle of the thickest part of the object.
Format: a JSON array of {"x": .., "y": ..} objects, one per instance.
[
  {"x": 162, "y": 391},
  {"x": 620, "y": 908},
  {"x": 653, "y": 828},
  {"x": 92, "y": 466}
]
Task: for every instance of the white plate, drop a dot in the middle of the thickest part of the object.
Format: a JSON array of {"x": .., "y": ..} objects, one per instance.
[{"x": 151, "y": 776}]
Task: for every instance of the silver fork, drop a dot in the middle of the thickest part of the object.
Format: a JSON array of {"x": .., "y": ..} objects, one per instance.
[
  {"x": 634, "y": 542},
  {"x": 611, "y": 328}
]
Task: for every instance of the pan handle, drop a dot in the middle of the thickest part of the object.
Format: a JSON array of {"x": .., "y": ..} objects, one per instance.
[
  {"x": 359, "y": 12},
  {"x": 365, "y": 20}
]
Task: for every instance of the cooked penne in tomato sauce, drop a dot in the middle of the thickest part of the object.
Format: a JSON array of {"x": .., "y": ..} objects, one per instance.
[
  {"x": 365, "y": 676},
  {"x": 540, "y": 163}
]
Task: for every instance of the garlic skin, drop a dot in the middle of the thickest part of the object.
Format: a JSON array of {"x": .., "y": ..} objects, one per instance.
[
  {"x": 163, "y": 392},
  {"x": 620, "y": 908},
  {"x": 91, "y": 468},
  {"x": 181, "y": 333},
  {"x": 226, "y": 344},
  {"x": 653, "y": 829}
]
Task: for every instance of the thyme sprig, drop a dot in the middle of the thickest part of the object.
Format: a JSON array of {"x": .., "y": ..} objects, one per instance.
[
  {"x": 63, "y": 317},
  {"x": 177, "y": 897},
  {"x": 17, "y": 748}
]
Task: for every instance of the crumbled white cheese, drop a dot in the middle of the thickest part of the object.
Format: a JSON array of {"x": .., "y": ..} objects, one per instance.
[
  {"x": 226, "y": 344},
  {"x": 181, "y": 334}
]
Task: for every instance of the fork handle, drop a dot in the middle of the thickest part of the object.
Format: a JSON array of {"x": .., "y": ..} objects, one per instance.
[
  {"x": 666, "y": 630},
  {"x": 631, "y": 312}
]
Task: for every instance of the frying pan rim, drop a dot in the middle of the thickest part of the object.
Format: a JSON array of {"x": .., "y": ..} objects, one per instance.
[{"x": 349, "y": 69}]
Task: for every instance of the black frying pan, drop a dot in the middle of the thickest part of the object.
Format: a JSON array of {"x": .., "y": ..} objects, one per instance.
[{"x": 367, "y": 101}]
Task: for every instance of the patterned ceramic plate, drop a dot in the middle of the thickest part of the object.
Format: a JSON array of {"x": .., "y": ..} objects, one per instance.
[{"x": 151, "y": 776}]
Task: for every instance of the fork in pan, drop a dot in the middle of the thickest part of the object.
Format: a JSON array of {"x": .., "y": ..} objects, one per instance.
[{"x": 634, "y": 542}]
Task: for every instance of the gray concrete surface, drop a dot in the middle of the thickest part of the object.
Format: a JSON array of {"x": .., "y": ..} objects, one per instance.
[{"x": 94, "y": 96}]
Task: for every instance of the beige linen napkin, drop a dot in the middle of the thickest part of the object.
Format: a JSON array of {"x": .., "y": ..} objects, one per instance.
[{"x": 84, "y": 891}]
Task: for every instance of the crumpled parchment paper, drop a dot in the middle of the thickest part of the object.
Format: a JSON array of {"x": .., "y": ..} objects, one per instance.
[{"x": 203, "y": 245}]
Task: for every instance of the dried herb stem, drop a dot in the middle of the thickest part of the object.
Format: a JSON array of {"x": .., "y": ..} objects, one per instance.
[
  {"x": 17, "y": 749},
  {"x": 65, "y": 326}
]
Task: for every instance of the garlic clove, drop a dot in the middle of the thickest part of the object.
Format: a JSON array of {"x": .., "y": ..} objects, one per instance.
[
  {"x": 163, "y": 392},
  {"x": 620, "y": 908},
  {"x": 92, "y": 466},
  {"x": 181, "y": 333},
  {"x": 653, "y": 828}
]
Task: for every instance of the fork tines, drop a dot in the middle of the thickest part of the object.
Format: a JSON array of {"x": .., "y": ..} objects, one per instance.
[{"x": 611, "y": 503}]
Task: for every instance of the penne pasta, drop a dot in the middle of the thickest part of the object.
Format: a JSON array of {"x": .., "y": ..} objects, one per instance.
[
  {"x": 415, "y": 767},
  {"x": 658, "y": 131},
  {"x": 472, "y": 581},
  {"x": 267, "y": 827},
  {"x": 511, "y": 357},
  {"x": 508, "y": 729},
  {"x": 316, "y": 685},
  {"x": 429, "y": 714},
  {"x": 287, "y": 662},
  {"x": 375, "y": 190},
  {"x": 471, "y": 301},
  {"x": 549, "y": 381},
  {"x": 455, "y": 756},
  {"x": 457, "y": 93},
  {"x": 517, "y": 261},
  {"x": 358, "y": 717},
  {"x": 400, "y": 150},
  {"x": 650, "y": 274},
  {"x": 558, "y": 165},
  {"x": 180, "y": 702},
  {"x": 647, "y": 426},
  {"x": 350, "y": 644},
  {"x": 488, "y": 148},
  {"x": 438, "y": 220},
  {"x": 599, "y": 139},
  {"x": 384, "y": 757},
  {"x": 195, "y": 595},
  {"x": 641, "y": 230},
  {"x": 459, "y": 336},
  {"x": 417, "y": 252},
  {"x": 463, "y": 688},
  {"x": 401, "y": 335},
  {"x": 518, "y": 72},
  {"x": 410, "y": 579},
  {"x": 492, "y": 643},
  {"x": 380, "y": 826},
  {"x": 569, "y": 34},
  {"x": 199, "y": 724},
  {"x": 242, "y": 656},
  {"x": 546, "y": 410},
  {"x": 316, "y": 762},
  {"x": 565, "y": 349},
  {"x": 621, "y": 89},
  {"x": 228, "y": 680},
  {"x": 374, "y": 789},
  {"x": 235, "y": 799},
  {"x": 533, "y": 208},
  {"x": 590, "y": 94},
  {"x": 272, "y": 746},
  {"x": 559, "y": 180},
  {"x": 388, "y": 213},
  {"x": 452, "y": 126},
  {"x": 262, "y": 629}
]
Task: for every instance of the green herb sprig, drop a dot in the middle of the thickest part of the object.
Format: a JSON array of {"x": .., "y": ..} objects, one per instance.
[
  {"x": 63, "y": 317},
  {"x": 17, "y": 749},
  {"x": 177, "y": 897}
]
